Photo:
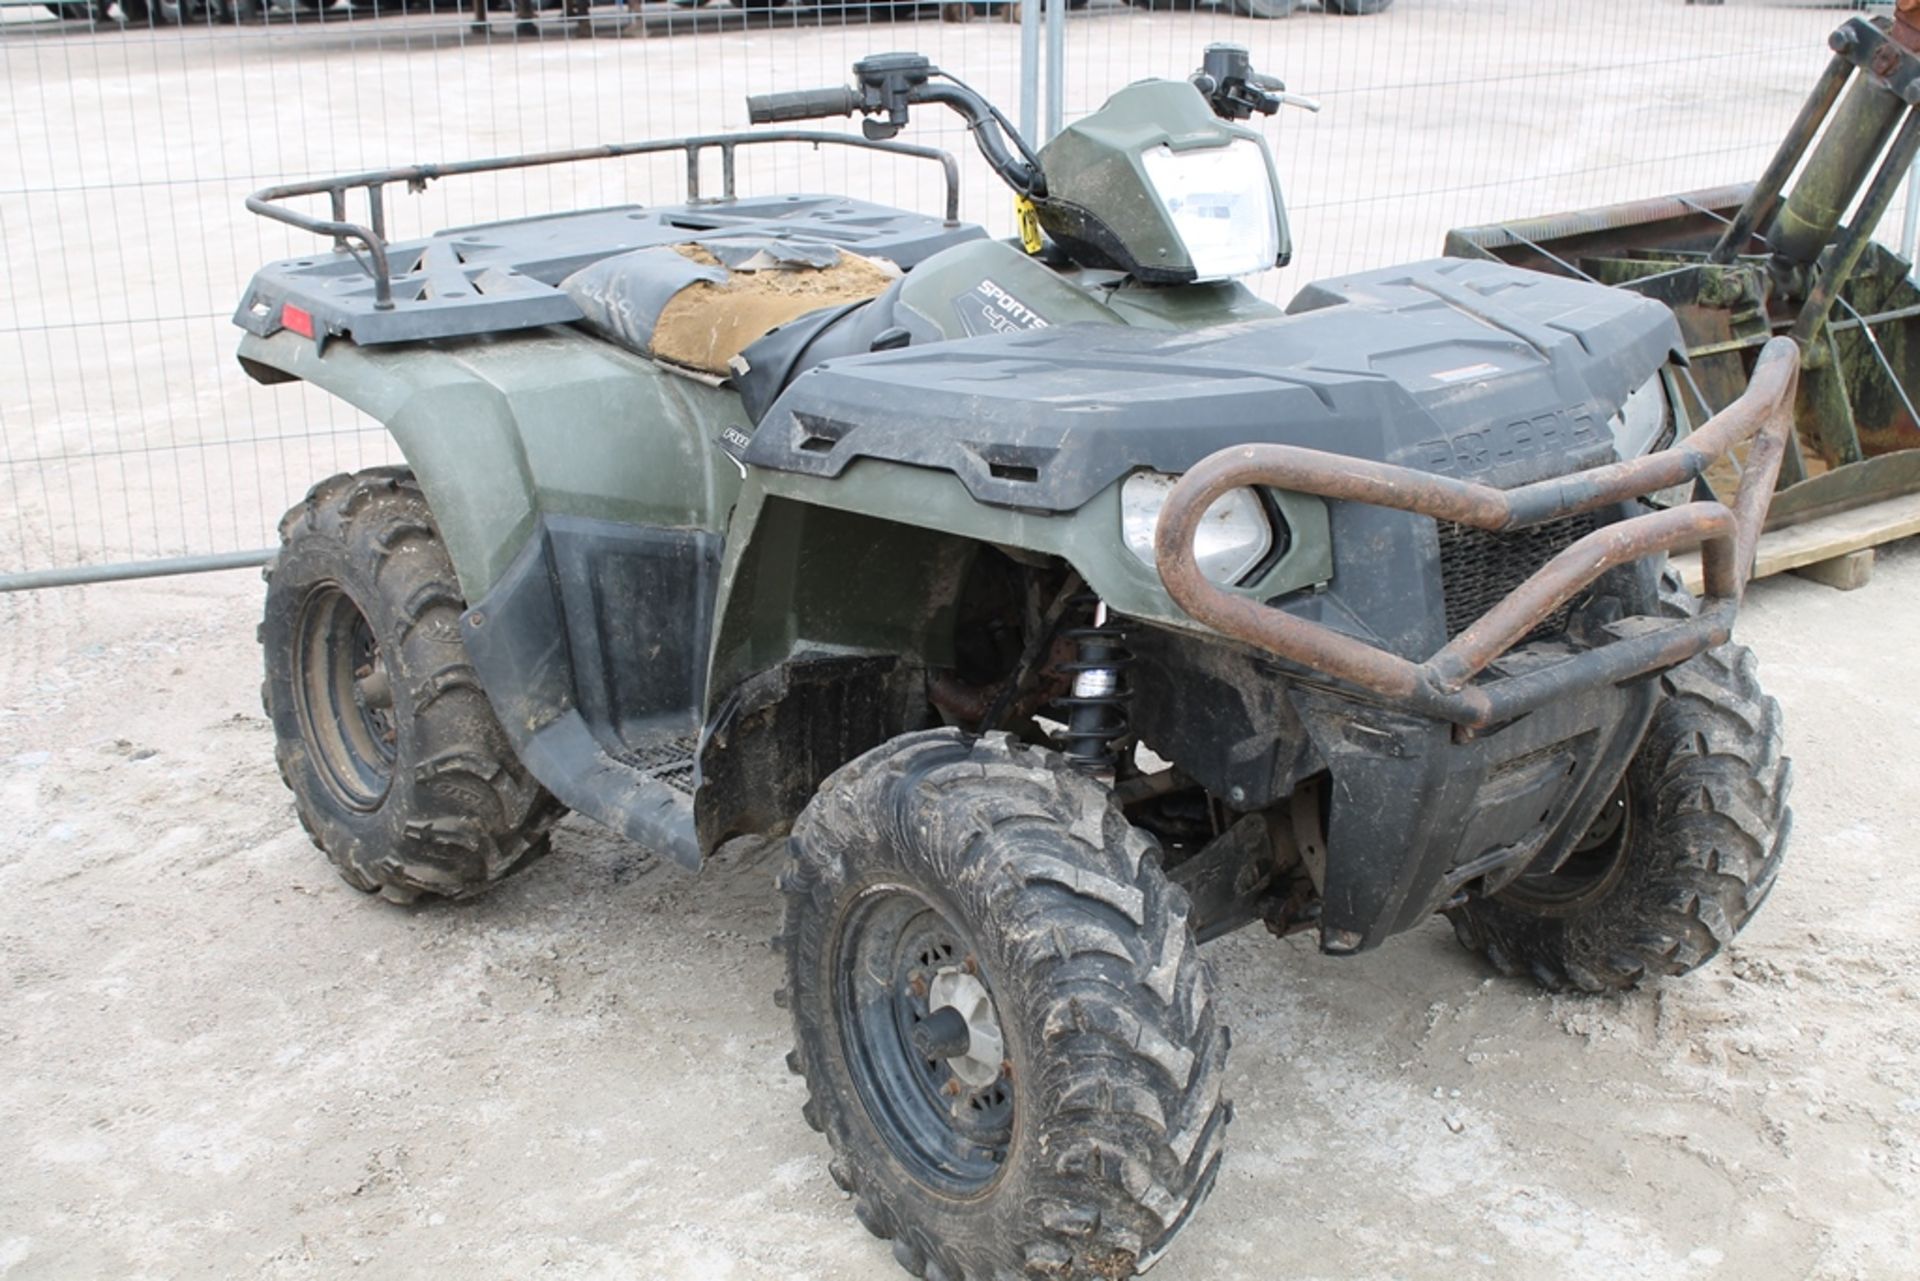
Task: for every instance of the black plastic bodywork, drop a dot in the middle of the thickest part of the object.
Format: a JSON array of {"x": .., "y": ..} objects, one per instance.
[
  {"x": 1466, "y": 368},
  {"x": 591, "y": 648},
  {"x": 1417, "y": 816},
  {"x": 774, "y": 737}
]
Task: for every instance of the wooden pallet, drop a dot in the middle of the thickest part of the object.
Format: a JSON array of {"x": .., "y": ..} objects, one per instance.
[{"x": 1836, "y": 550}]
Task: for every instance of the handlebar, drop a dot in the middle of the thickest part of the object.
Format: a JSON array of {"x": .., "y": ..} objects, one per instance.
[
  {"x": 1227, "y": 80},
  {"x": 886, "y": 86},
  {"x": 802, "y": 104}
]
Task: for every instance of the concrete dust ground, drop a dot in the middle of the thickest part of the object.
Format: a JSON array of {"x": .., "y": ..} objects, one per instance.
[{"x": 220, "y": 1061}]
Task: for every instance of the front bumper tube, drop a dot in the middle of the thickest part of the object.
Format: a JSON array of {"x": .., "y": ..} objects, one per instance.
[{"x": 1443, "y": 686}]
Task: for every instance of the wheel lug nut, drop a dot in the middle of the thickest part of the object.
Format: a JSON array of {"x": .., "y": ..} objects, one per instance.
[{"x": 952, "y": 1087}]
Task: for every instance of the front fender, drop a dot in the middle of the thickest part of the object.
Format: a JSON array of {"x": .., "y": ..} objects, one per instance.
[{"x": 871, "y": 560}]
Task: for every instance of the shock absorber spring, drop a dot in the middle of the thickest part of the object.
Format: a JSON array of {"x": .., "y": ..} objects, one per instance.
[{"x": 1097, "y": 707}]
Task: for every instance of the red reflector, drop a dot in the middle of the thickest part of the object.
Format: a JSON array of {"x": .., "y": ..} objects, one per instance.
[{"x": 297, "y": 319}]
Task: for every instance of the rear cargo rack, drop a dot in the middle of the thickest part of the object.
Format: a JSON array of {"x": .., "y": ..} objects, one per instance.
[{"x": 371, "y": 237}]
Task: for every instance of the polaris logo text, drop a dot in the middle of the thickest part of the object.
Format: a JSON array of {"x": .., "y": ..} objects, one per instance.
[{"x": 1483, "y": 450}]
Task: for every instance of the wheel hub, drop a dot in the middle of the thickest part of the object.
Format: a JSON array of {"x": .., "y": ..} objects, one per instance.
[
  {"x": 924, "y": 1039},
  {"x": 978, "y": 1064},
  {"x": 343, "y": 695},
  {"x": 1591, "y": 868}
]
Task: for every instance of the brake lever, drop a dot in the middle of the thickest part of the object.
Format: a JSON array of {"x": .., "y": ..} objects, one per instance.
[{"x": 1227, "y": 80}]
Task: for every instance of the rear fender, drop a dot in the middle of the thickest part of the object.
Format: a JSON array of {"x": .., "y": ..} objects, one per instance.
[
  {"x": 503, "y": 431},
  {"x": 580, "y": 491}
]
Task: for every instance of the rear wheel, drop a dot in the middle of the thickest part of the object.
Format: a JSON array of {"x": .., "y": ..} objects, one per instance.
[
  {"x": 1357, "y": 8},
  {"x": 1680, "y": 859},
  {"x": 1264, "y": 8},
  {"x": 1004, "y": 1022},
  {"x": 399, "y": 770}
]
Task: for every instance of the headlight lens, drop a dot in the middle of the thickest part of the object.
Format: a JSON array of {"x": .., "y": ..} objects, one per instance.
[
  {"x": 1645, "y": 422},
  {"x": 1234, "y": 536},
  {"x": 1221, "y": 203}
]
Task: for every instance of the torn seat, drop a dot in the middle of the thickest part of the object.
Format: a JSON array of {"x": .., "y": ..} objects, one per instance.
[{"x": 697, "y": 305}]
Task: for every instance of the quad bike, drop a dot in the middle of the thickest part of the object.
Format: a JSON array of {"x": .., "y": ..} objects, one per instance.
[{"x": 1067, "y": 603}]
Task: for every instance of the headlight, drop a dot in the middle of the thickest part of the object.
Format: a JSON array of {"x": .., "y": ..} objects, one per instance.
[
  {"x": 1234, "y": 536},
  {"x": 1221, "y": 203},
  {"x": 1645, "y": 422}
]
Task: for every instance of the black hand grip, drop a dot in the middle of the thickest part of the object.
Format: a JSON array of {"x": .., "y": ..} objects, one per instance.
[{"x": 803, "y": 104}]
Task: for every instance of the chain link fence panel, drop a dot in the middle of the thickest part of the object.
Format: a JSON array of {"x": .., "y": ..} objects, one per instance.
[{"x": 135, "y": 129}]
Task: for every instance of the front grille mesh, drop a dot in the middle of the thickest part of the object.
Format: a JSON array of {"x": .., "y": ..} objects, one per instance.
[{"x": 1478, "y": 568}]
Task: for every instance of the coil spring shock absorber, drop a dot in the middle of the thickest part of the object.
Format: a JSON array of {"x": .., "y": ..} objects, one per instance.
[{"x": 1097, "y": 707}]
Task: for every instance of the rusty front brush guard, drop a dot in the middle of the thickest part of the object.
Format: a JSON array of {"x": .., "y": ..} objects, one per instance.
[{"x": 1442, "y": 686}]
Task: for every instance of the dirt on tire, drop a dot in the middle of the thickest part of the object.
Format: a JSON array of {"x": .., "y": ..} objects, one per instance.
[
  {"x": 458, "y": 812},
  {"x": 1707, "y": 799},
  {"x": 1114, "y": 1051}
]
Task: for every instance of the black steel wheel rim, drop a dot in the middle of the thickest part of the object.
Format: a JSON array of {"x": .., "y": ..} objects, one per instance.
[
  {"x": 344, "y": 698},
  {"x": 1593, "y": 868},
  {"x": 891, "y": 943}
]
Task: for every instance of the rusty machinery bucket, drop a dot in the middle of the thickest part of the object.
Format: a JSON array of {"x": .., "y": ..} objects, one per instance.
[{"x": 1741, "y": 264}]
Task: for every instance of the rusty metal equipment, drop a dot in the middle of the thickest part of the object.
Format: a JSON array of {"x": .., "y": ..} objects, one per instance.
[{"x": 1741, "y": 264}]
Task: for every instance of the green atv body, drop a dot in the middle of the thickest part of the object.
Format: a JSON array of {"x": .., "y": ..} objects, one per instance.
[{"x": 1068, "y": 604}]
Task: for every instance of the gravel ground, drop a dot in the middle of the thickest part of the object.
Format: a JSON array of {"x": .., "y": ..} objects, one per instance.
[{"x": 220, "y": 1061}]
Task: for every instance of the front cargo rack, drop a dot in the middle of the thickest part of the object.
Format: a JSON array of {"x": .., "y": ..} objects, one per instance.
[{"x": 370, "y": 237}]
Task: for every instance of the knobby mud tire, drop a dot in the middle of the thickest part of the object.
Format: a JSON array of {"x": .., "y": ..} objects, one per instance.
[
  {"x": 1115, "y": 1053},
  {"x": 1708, "y": 825},
  {"x": 459, "y": 811}
]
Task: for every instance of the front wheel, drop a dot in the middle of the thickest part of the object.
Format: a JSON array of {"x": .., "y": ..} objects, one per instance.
[
  {"x": 1680, "y": 859},
  {"x": 1005, "y": 1026}
]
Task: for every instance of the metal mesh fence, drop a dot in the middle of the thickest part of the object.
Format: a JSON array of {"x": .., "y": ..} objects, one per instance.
[{"x": 127, "y": 431}]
